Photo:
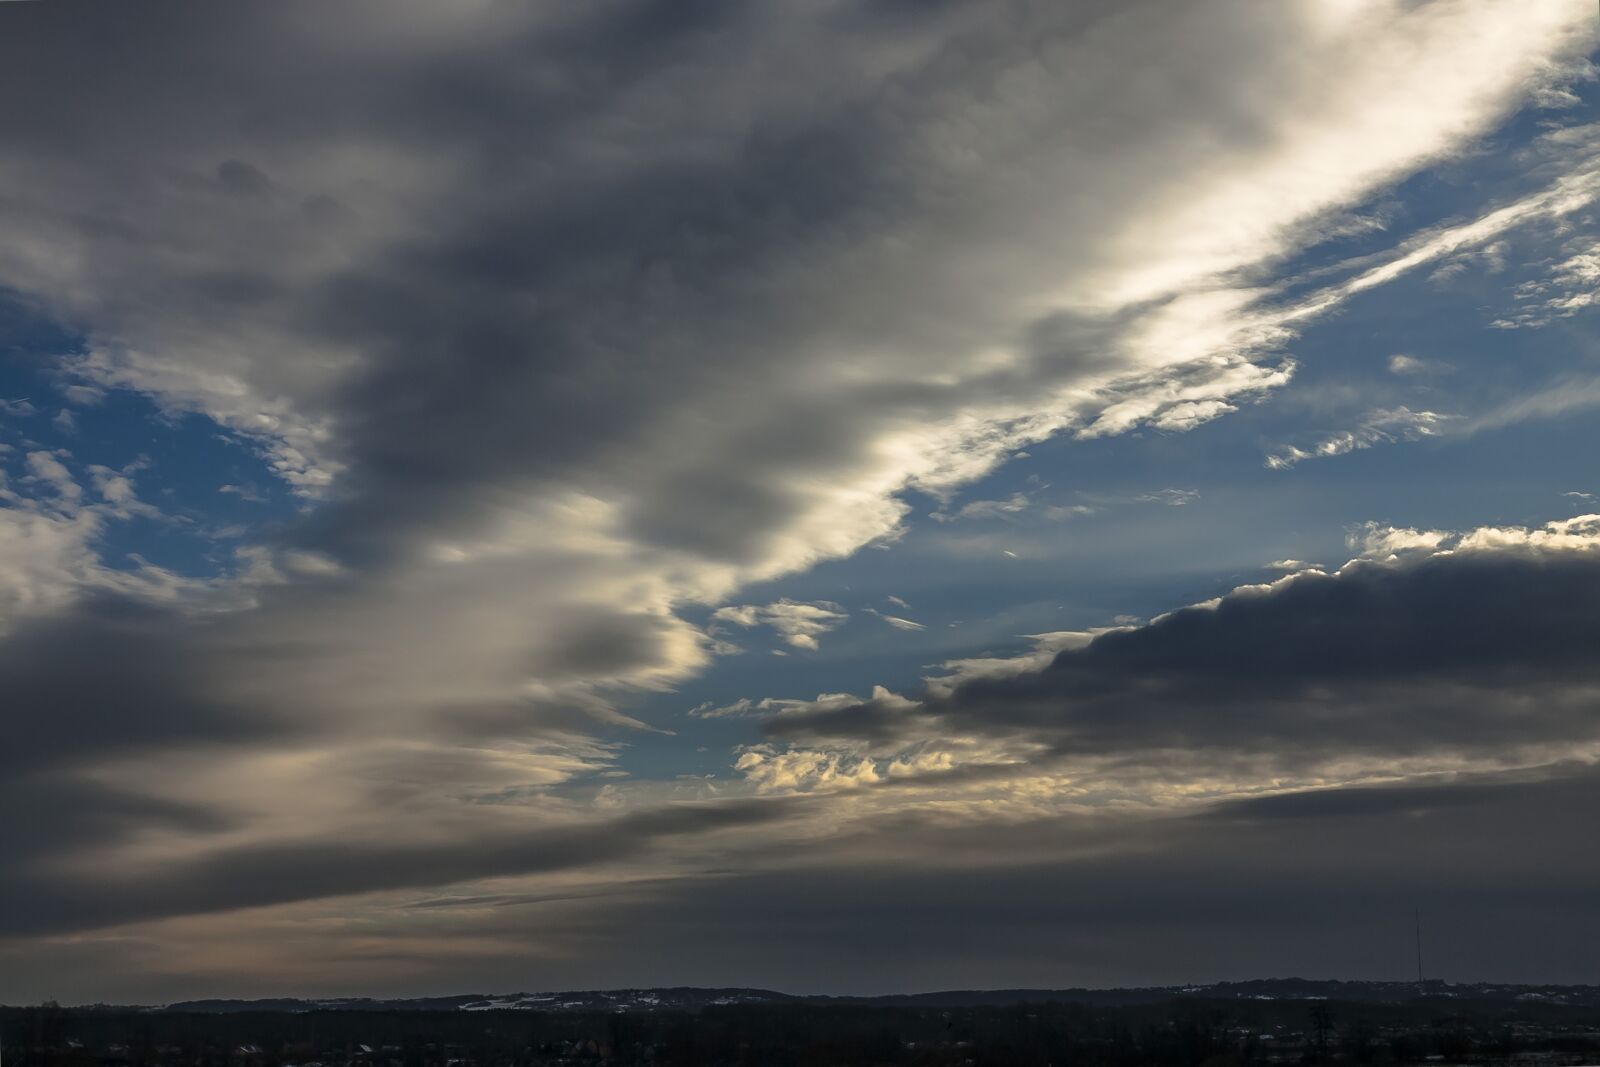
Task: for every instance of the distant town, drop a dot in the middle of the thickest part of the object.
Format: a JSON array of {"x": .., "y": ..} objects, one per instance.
[{"x": 1219, "y": 1025}]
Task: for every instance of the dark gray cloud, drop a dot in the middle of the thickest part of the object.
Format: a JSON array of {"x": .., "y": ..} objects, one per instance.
[
  {"x": 101, "y": 681},
  {"x": 59, "y": 815},
  {"x": 1473, "y": 651},
  {"x": 922, "y": 901},
  {"x": 256, "y": 875},
  {"x": 1232, "y": 892},
  {"x": 113, "y": 677}
]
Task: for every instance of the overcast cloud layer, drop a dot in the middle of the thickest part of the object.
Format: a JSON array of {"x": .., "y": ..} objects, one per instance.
[{"x": 445, "y": 448}]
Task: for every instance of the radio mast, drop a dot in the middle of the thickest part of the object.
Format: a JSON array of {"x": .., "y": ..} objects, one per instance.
[{"x": 1418, "y": 918}]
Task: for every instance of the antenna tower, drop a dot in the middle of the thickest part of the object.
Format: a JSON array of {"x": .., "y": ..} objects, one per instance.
[{"x": 1417, "y": 916}]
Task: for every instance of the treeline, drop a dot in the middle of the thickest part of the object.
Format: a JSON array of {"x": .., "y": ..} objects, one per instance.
[{"x": 1189, "y": 1033}]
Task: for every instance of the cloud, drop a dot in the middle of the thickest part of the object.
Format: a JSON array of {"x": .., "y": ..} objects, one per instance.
[
  {"x": 1568, "y": 287},
  {"x": 1095, "y": 900},
  {"x": 739, "y": 708},
  {"x": 1490, "y": 258},
  {"x": 1176, "y": 498},
  {"x": 143, "y": 691},
  {"x": 1559, "y": 400},
  {"x": 1430, "y": 650},
  {"x": 47, "y": 471},
  {"x": 1415, "y": 366},
  {"x": 265, "y": 873},
  {"x": 896, "y": 621},
  {"x": 803, "y": 770},
  {"x": 797, "y": 622},
  {"x": 50, "y": 531},
  {"x": 345, "y": 270},
  {"x": 84, "y": 395},
  {"x": 1553, "y": 88},
  {"x": 116, "y": 489},
  {"x": 1101, "y": 902},
  {"x": 1562, "y": 398},
  {"x": 1377, "y": 428},
  {"x": 987, "y": 509},
  {"x": 243, "y": 492}
]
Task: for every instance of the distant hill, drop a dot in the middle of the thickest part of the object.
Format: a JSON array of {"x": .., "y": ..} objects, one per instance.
[{"x": 684, "y": 998}]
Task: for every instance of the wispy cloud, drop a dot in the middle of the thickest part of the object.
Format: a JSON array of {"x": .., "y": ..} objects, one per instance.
[
  {"x": 797, "y": 622},
  {"x": 1377, "y": 428},
  {"x": 896, "y": 621}
]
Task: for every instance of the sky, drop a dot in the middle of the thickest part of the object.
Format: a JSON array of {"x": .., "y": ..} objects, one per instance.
[{"x": 831, "y": 496}]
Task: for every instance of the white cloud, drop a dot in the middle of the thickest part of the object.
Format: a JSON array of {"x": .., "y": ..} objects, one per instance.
[
  {"x": 1560, "y": 400},
  {"x": 1568, "y": 287},
  {"x": 1174, "y": 498},
  {"x": 83, "y": 395},
  {"x": 1377, "y": 428},
  {"x": 1402, "y": 364},
  {"x": 797, "y": 622},
  {"x": 1377, "y": 541},
  {"x": 896, "y": 621},
  {"x": 745, "y": 707},
  {"x": 958, "y": 672},
  {"x": 804, "y": 770},
  {"x": 47, "y": 470},
  {"x": 243, "y": 492},
  {"x": 986, "y": 509},
  {"x": 50, "y": 539},
  {"x": 738, "y": 709},
  {"x": 313, "y": 564},
  {"x": 116, "y": 489},
  {"x": 1552, "y": 87}
]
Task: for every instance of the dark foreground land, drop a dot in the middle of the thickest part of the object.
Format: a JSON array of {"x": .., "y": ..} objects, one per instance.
[{"x": 1215, "y": 1026}]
